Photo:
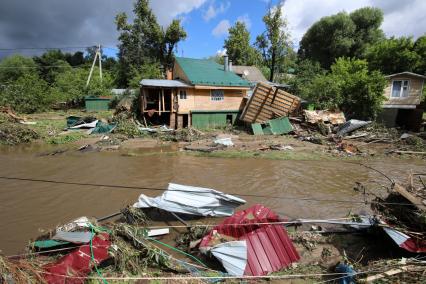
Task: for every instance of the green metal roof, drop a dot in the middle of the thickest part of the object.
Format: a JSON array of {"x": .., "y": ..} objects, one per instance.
[{"x": 207, "y": 72}]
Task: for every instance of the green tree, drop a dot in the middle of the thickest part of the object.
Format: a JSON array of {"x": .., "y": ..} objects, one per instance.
[
  {"x": 75, "y": 59},
  {"x": 27, "y": 94},
  {"x": 420, "y": 49},
  {"x": 144, "y": 41},
  {"x": 351, "y": 87},
  {"x": 146, "y": 71},
  {"x": 238, "y": 46},
  {"x": 50, "y": 64},
  {"x": 393, "y": 55},
  {"x": 70, "y": 86},
  {"x": 14, "y": 67},
  {"x": 342, "y": 35},
  {"x": 274, "y": 43},
  {"x": 305, "y": 72}
]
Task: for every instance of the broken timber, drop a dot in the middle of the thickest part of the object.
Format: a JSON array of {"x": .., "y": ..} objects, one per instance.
[
  {"x": 268, "y": 102},
  {"x": 413, "y": 199}
]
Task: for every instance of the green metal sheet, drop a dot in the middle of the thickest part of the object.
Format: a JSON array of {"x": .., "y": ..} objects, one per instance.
[
  {"x": 274, "y": 126},
  {"x": 97, "y": 104},
  {"x": 207, "y": 72},
  {"x": 280, "y": 126},
  {"x": 212, "y": 119},
  {"x": 257, "y": 129}
]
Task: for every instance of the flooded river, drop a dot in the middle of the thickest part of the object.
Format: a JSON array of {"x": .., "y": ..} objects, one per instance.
[{"x": 27, "y": 206}]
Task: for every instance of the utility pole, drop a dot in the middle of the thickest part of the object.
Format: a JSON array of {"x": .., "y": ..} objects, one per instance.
[{"x": 97, "y": 55}]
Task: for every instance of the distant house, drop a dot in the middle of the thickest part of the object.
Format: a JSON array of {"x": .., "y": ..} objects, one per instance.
[
  {"x": 201, "y": 93},
  {"x": 249, "y": 73},
  {"x": 254, "y": 76},
  {"x": 403, "y": 96}
]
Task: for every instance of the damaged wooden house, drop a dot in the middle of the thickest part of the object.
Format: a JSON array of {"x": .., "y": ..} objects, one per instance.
[{"x": 199, "y": 93}]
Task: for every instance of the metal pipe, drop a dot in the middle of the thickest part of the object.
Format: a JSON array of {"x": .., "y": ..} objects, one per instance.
[{"x": 225, "y": 63}]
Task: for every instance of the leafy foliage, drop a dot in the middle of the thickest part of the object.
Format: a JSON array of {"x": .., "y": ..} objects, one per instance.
[
  {"x": 144, "y": 41},
  {"x": 274, "y": 44},
  {"x": 420, "y": 49},
  {"x": 238, "y": 46},
  {"x": 51, "y": 64},
  {"x": 26, "y": 94},
  {"x": 306, "y": 72},
  {"x": 70, "y": 86},
  {"x": 14, "y": 67},
  {"x": 340, "y": 35},
  {"x": 351, "y": 87},
  {"x": 394, "y": 55}
]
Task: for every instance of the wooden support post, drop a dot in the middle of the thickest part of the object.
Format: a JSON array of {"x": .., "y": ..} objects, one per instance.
[
  {"x": 179, "y": 121},
  {"x": 159, "y": 103},
  {"x": 162, "y": 99},
  {"x": 173, "y": 120}
]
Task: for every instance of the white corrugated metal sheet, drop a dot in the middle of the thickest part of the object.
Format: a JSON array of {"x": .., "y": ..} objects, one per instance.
[
  {"x": 163, "y": 83},
  {"x": 192, "y": 200}
]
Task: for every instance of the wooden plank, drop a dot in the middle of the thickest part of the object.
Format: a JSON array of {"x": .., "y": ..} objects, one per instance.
[
  {"x": 261, "y": 118},
  {"x": 413, "y": 199},
  {"x": 282, "y": 106},
  {"x": 268, "y": 102},
  {"x": 263, "y": 113},
  {"x": 260, "y": 108},
  {"x": 278, "y": 98},
  {"x": 385, "y": 274}
]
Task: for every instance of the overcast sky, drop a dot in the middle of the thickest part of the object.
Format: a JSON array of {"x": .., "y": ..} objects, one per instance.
[{"x": 65, "y": 23}]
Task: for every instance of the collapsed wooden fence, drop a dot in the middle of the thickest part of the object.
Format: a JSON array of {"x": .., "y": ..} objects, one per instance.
[{"x": 268, "y": 102}]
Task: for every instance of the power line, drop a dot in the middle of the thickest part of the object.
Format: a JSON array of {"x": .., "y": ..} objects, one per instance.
[
  {"x": 232, "y": 193},
  {"x": 45, "y": 48},
  {"x": 41, "y": 66},
  {"x": 55, "y": 48}
]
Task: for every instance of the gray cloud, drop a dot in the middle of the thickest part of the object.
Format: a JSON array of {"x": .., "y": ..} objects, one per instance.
[
  {"x": 401, "y": 18},
  {"x": 60, "y": 23},
  {"x": 47, "y": 23}
]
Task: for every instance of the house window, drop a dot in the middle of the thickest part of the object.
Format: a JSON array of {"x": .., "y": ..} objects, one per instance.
[
  {"x": 217, "y": 95},
  {"x": 182, "y": 94},
  {"x": 400, "y": 88}
]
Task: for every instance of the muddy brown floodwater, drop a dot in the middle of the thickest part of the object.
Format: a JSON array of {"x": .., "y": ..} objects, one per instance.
[{"x": 26, "y": 207}]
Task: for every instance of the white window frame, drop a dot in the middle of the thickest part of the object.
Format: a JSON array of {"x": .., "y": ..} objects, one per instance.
[
  {"x": 402, "y": 89},
  {"x": 183, "y": 97},
  {"x": 217, "y": 98}
]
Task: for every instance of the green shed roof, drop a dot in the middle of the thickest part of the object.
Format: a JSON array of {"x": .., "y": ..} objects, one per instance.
[{"x": 207, "y": 72}]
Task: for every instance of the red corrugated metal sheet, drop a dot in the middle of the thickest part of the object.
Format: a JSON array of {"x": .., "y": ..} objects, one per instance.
[
  {"x": 269, "y": 248},
  {"x": 78, "y": 263}
]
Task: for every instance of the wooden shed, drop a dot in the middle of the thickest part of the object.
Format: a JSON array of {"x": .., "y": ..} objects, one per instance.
[{"x": 403, "y": 96}]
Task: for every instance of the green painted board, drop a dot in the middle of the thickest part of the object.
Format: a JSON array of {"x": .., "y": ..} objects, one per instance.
[
  {"x": 274, "y": 126},
  {"x": 257, "y": 129},
  {"x": 96, "y": 104},
  {"x": 212, "y": 119},
  {"x": 280, "y": 126}
]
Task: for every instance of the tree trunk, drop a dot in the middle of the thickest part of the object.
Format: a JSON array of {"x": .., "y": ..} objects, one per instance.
[{"x": 271, "y": 76}]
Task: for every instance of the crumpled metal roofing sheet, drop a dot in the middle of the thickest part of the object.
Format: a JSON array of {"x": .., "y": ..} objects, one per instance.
[
  {"x": 192, "y": 200},
  {"x": 269, "y": 248}
]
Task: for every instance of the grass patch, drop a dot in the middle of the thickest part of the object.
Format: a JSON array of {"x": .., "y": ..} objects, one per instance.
[{"x": 66, "y": 138}]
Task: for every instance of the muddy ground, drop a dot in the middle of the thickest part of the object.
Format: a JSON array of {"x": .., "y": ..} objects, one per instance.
[{"x": 321, "y": 171}]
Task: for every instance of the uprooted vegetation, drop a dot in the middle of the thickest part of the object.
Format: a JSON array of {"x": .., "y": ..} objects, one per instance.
[{"x": 12, "y": 132}]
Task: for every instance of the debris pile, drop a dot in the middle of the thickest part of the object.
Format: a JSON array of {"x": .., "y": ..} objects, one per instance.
[
  {"x": 13, "y": 129},
  {"x": 403, "y": 214}
]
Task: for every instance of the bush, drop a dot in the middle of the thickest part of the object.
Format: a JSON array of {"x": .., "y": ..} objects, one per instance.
[
  {"x": 14, "y": 133},
  {"x": 70, "y": 86},
  {"x": 350, "y": 87},
  {"x": 27, "y": 94}
]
